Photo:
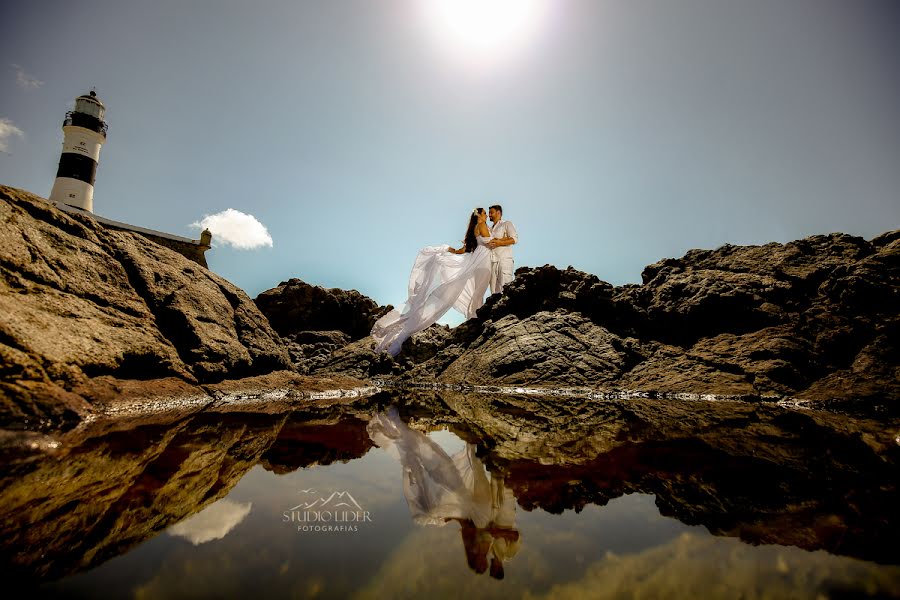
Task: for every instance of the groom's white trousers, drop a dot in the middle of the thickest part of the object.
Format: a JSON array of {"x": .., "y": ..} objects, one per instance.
[{"x": 501, "y": 274}]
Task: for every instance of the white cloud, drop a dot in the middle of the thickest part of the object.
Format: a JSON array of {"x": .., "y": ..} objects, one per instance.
[
  {"x": 238, "y": 229},
  {"x": 26, "y": 81},
  {"x": 8, "y": 130},
  {"x": 212, "y": 523}
]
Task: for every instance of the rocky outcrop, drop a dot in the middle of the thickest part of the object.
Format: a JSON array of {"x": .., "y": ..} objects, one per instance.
[
  {"x": 816, "y": 318},
  {"x": 326, "y": 331},
  {"x": 315, "y": 321},
  {"x": 80, "y": 301},
  {"x": 295, "y": 306}
]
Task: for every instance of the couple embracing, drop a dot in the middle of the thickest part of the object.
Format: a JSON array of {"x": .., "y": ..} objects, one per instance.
[{"x": 443, "y": 277}]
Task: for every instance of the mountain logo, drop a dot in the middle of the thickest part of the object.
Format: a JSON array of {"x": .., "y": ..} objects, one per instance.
[
  {"x": 337, "y": 511},
  {"x": 334, "y": 501}
]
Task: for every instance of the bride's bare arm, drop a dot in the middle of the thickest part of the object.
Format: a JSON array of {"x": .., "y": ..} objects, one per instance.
[
  {"x": 483, "y": 230},
  {"x": 455, "y": 251}
]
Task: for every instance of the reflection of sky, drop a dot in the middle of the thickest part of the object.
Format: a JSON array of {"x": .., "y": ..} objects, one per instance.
[
  {"x": 623, "y": 546},
  {"x": 212, "y": 523}
]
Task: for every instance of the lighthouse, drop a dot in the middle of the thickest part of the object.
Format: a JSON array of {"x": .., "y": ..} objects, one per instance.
[{"x": 84, "y": 132}]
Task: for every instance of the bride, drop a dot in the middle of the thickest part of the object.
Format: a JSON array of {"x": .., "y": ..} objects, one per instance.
[{"x": 442, "y": 278}]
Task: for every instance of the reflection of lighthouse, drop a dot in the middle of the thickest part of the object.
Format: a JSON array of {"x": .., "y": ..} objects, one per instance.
[{"x": 84, "y": 131}]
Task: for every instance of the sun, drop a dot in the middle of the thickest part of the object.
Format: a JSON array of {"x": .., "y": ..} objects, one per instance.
[{"x": 484, "y": 30}]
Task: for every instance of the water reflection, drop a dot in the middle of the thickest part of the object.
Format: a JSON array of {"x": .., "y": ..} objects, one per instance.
[
  {"x": 440, "y": 488},
  {"x": 552, "y": 496},
  {"x": 213, "y": 522}
]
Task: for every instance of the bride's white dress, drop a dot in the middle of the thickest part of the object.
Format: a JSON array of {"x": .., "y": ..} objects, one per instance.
[
  {"x": 440, "y": 280},
  {"x": 437, "y": 486}
]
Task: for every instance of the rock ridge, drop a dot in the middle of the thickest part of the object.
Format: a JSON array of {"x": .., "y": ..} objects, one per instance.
[
  {"x": 80, "y": 301},
  {"x": 815, "y": 318}
]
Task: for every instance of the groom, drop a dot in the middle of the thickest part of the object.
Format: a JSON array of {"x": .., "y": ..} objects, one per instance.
[{"x": 505, "y": 235}]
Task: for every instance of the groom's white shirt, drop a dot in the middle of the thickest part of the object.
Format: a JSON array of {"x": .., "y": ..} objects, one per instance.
[{"x": 503, "y": 228}]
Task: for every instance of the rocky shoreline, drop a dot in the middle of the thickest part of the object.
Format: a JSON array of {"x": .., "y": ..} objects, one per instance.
[
  {"x": 93, "y": 320},
  {"x": 815, "y": 320}
]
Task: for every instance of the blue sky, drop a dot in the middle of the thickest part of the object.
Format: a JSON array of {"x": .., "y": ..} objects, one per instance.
[{"x": 619, "y": 133}]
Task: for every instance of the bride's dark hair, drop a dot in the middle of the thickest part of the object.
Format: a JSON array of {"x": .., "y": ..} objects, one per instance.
[{"x": 471, "y": 241}]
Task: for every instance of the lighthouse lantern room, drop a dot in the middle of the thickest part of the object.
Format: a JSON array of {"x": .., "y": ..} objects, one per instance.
[{"x": 84, "y": 132}]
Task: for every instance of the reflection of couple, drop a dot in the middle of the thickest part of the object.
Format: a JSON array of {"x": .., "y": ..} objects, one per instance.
[
  {"x": 440, "y": 488},
  {"x": 443, "y": 278}
]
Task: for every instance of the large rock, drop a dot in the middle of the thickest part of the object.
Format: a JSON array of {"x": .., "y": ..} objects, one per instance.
[
  {"x": 315, "y": 322},
  {"x": 78, "y": 301},
  {"x": 296, "y": 306},
  {"x": 816, "y": 318}
]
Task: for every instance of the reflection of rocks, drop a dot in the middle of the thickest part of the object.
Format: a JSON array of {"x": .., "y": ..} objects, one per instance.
[
  {"x": 302, "y": 443},
  {"x": 78, "y": 301},
  {"x": 760, "y": 472},
  {"x": 754, "y": 471},
  {"x": 73, "y": 501},
  {"x": 96, "y": 497}
]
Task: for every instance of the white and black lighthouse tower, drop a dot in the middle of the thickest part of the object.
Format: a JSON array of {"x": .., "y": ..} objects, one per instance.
[{"x": 84, "y": 133}]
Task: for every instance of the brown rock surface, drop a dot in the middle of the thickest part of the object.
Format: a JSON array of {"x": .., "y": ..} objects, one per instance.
[
  {"x": 295, "y": 306},
  {"x": 315, "y": 322},
  {"x": 817, "y": 318},
  {"x": 78, "y": 301}
]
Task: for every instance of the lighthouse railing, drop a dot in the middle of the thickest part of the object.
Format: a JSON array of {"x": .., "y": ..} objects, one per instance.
[{"x": 78, "y": 119}]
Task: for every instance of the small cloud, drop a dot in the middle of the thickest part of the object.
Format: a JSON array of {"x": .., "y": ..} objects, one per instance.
[
  {"x": 238, "y": 229},
  {"x": 26, "y": 81},
  {"x": 212, "y": 523},
  {"x": 8, "y": 130}
]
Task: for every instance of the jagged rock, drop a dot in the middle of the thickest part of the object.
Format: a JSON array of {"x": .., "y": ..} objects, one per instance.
[
  {"x": 358, "y": 359},
  {"x": 78, "y": 301},
  {"x": 815, "y": 318},
  {"x": 295, "y": 306},
  {"x": 543, "y": 347},
  {"x": 424, "y": 344},
  {"x": 311, "y": 349}
]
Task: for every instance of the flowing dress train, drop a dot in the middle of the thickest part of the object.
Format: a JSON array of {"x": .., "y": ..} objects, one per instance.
[{"x": 439, "y": 281}]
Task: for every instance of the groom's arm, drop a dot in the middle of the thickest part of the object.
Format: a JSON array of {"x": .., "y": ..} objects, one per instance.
[
  {"x": 510, "y": 237},
  {"x": 504, "y": 241}
]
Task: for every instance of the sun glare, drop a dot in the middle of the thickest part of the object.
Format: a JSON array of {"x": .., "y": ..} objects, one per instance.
[{"x": 484, "y": 30}]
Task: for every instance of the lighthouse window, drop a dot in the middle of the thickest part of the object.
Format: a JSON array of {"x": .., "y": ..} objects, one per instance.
[{"x": 88, "y": 108}]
